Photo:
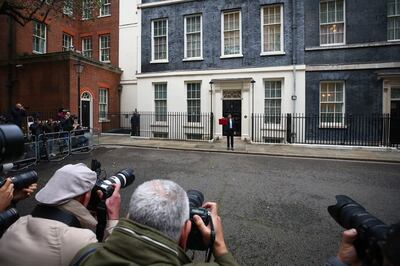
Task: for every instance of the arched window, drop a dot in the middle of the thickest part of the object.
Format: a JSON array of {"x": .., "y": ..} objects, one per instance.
[{"x": 86, "y": 96}]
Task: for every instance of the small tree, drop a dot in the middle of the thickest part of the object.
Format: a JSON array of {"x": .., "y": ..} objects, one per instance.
[{"x": 24, "y": 11}]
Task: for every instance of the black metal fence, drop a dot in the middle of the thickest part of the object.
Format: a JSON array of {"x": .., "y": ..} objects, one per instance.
[
  {"x": 173, "y": 125},
  {"x": 351, "y": 130}
]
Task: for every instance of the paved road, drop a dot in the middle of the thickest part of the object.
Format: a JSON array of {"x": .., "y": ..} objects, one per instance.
[{"x": 273, "y": 208}]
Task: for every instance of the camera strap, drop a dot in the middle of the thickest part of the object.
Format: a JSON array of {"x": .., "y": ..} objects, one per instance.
[
  {"x": 56, "y": 214},
  {"x": 101, "y": 215},
  {"x": 212, "y": 241}
]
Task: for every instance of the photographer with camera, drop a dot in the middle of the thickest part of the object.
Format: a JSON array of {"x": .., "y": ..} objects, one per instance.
[
  {"x": 367, "y": 240},
  {"x": 61, "y": 224},
  {"x": 157, "y": 230}
]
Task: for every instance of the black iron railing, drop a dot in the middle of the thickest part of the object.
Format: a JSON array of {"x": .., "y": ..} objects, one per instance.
[
  {"x": 173, "y": 125},
  {"x": 351, "y": 130}
]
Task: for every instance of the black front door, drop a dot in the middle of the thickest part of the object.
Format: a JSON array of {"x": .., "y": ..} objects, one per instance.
[
  {"x": 233, "y": 107},
  {"x": 395, "y": 122},
  {"x": 85, "y": 114}
]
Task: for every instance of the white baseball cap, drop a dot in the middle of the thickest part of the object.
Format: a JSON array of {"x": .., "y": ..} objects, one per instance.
[{"x": 68, "y": 182}]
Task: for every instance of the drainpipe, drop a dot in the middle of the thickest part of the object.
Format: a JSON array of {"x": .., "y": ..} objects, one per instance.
[{"x": 294, "y": 52}]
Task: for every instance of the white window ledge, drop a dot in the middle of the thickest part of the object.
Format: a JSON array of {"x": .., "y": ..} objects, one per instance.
[
  {"x": 165, "y": 61},
  {"x": 332, "y": 126},
  {"x": 272, "y": 53},
  {"x": 104, "y": 120},
  {"x": 104, "y": 16},
  {"x": 159, "y": 124},
  {"x": 231, "y": 56},
  {"x": 192, "y": 59},
  {"x": 332, "y": 44},
  {"x": 193, "y": 125},
  {"x": 107, "y": 62}
]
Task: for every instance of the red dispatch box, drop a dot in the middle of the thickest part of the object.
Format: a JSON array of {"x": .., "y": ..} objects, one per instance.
[{"x": 223, "y": 121}]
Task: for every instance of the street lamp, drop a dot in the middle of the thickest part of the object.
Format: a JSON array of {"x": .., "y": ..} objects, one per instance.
[
  {"x": 211, "y": 87},
  {"x": 252, "y": 108},
  {"x": 79, "y": 69}
]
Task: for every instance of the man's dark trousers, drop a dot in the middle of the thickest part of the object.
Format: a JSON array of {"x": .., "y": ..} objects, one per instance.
[{"x": 230, "y": 133}]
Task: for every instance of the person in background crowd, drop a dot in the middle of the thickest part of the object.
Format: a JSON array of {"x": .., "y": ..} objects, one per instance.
[
  {"x": 18, "y": 113},
  {"x": 135, "y": 123},
  {"x": 61, "y": 114},
  {"x": 68, "y": 122}
]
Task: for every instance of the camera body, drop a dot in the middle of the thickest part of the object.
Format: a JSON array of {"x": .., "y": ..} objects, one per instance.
[
  {"x": 372, "y": 234},
  {"x": 196, "y": 199}
]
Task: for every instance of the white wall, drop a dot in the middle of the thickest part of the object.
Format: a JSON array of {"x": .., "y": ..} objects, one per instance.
[
  {"x": 128, "y": 51},
  {"x": 177, "y": 98}
]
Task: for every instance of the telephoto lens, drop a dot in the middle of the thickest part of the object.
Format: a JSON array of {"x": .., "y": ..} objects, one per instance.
[
  {"x": 370, "y": 230},
  {"x": 24, "y": 180},
  {"x": 7, "y": 218},
  {"x": 124, "y": 177},
  {"x": 11, "y": 142}
]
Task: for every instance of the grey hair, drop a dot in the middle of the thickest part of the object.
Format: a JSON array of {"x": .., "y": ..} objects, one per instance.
[{"x": 162, "y": 205}]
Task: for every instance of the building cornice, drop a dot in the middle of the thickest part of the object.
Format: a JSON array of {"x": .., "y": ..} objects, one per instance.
[
  {"x": 59, "y": 56},
  {"x": 352, "y": 46},
  {"x": 336, "y": 67},
  {"x": 221, "y": 71},
  {"x": 163, "y": 3}
]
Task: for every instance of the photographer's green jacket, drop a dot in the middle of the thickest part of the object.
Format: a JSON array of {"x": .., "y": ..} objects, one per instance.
[{"x": 134, "y": 244}]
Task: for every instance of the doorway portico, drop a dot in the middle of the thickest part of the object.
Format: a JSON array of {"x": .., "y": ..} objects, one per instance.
[{"x": 232, "y": 95}]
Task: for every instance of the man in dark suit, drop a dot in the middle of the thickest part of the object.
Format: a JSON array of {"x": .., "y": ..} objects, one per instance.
[{"x": 230, "y": 131}]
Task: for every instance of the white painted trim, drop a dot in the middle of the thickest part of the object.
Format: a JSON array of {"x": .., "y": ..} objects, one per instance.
[
  {"x": 186, "y": 58},
  {"x": 352, "y": 66},
  {"x": 193, "y": 59},
  {"x": 344, "y": 25},
  {"x": 231, "y": 56},
  {"x": 109, "y": 55},
  {"x": 352, "y": 46},
  {"x": 282, "y": 51},
  {"x": 222, "y": 71},
  {"x": 90, "y": 109},
  {"x": 333, "y": 124},
  {"x": 128, "y": 82},
  {"x": 153, "y": 61},
  {"x": 163, "y": 3},
  {"x": 163, "y": 61},
  {"x": 272, "y": 53},
  {"x": 223, "y": 55}
]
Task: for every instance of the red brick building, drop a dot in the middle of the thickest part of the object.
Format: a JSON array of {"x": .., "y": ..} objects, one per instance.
[{"x": 39, "y": 61}]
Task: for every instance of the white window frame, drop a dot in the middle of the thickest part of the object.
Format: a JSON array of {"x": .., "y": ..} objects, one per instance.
[
  {"x": 396, "y": 15},
  {"x": 280, "y": 120},
  {"x": 240, "y": 54},
  {"x": 198, "y": 83},
  {"x": 87, "y": 10},
  {"x": 103, "y": 118},
  {"x": 186, "y": 58},
  {"x": 87, "y": 50},
  {"x": 281, "y": 51},
  {"x": 160, "y": 99},
  {"x": 332, "y": 124},
  {"x": 65, "y": 41},
  {"x": 43, "y": 28},
  {"x": 344, "y": 24},
  {"x": 105, "y": 3},
  {"x": 152, "y": 42},
  {"x": 68, "y": 8},
  {"x": 101, "y": 49}
]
